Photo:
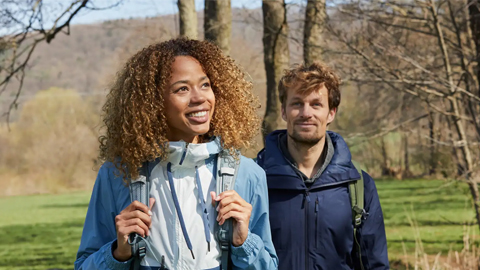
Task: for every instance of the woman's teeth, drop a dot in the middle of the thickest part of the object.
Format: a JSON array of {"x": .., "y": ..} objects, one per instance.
[{"x": 197, "y": 114}]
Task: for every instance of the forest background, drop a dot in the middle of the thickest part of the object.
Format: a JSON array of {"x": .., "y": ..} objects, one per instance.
[{"x": 410, "y": 94}]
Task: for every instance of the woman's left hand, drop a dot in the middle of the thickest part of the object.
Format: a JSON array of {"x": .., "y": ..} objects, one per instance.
[{"x": 231, "y": 205}]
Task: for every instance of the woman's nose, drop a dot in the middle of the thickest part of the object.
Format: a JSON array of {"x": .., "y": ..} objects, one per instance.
[{"x": 197, "y": 96}]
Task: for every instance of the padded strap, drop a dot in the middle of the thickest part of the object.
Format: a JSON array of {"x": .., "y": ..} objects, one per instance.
[{"x": 227, "y": 169}]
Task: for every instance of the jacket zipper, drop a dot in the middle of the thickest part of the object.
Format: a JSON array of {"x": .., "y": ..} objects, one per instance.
[
  {"x": 316, "y": 224},
  {"x": 306, "y": 201},
  {"x": 184, "y": 154}
]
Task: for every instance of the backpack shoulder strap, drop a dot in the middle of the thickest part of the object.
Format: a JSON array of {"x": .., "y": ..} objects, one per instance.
[
  {"x": 140, "y": 191},
  {"x": 227, "y": 169},
  {"x": 357, "y": 199}
]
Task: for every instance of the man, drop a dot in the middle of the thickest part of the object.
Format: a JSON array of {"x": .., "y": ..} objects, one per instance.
[{"x": 308, "y": 173}]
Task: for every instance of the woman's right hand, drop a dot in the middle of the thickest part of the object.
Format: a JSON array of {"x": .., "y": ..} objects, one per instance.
[{"x": 135, "y": 218}]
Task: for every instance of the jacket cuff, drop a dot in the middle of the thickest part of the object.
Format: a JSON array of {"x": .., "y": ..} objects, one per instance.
[
  {"x": 111, "y": 262},
  {"x": 252, "y": 245}
]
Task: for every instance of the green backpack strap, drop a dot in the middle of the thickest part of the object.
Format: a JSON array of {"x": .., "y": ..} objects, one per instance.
[
  {"x": 227, "y": 169},
  {"x": 357, "y": 199}
]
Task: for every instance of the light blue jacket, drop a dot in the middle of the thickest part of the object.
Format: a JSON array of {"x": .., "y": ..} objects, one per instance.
[{"x": 110, "y": 196}]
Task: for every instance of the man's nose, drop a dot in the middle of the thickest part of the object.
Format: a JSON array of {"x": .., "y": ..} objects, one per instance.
[{"x": 306, "y": 111}]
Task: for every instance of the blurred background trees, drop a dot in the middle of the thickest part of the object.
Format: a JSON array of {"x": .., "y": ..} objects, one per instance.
[{"x": 411, "y": 99}]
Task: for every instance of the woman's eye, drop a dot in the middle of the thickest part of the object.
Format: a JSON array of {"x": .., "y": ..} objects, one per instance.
[
  {"x": 205, "y": 85},
  {"x": 181, "y": 89}
]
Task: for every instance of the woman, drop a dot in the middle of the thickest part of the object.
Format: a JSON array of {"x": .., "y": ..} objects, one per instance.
[{"x": 180, "y": 102}]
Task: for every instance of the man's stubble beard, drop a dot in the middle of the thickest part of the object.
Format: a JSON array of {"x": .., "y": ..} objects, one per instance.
[{"x": 309, "y": 141}]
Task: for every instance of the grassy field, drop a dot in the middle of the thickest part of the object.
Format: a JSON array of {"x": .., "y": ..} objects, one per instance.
[{"x": 43, "y": 231}]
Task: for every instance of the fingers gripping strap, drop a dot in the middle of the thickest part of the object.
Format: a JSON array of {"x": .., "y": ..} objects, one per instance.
[
  {"x": 227, "y": 168},
  {"x": 139, "y": 191}
]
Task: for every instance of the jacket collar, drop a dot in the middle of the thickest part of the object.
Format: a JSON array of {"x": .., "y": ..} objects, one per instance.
[
  {"x": 339, "y": 170},
  {"x": 190, "y": 155}
]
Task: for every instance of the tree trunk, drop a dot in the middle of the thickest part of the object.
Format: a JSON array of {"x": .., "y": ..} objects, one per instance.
[
  {"x": 474, "y": 21},
  {"x": 188, "y": 18},
  {"x": 431, "y": 144},
  {"x": 315, "y": 21},
  {"x": 276, "y": 58},
  {"x": 218, "y": 23},
  {"x": 406, "y": 173},
  {"x": 386, "y": 162},
  {"x": 457, "y": 120}
]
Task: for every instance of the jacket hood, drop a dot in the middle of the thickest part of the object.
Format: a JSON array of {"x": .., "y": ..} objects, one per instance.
[
  {"x": 190, "y": 155},
  {"x": 340, "y": 169}
]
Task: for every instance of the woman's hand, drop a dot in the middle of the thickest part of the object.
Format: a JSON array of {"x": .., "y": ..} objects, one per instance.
[
  {"x": 231, "y": 205},
  {"x": 135, "y": 218}
]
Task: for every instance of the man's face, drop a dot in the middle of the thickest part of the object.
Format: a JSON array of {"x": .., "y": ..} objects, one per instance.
[{"x": 307, "y": 116}]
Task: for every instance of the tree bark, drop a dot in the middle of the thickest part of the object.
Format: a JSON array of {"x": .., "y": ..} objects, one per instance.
[
  {"x": 188, "y": 18},
  {"x": 474, "y": 20},
  {"x": 315, "y": 21},
  {"x": 457, "y": 121},
  {"x": 386, "y": 163},
  {"x": 433, "y": 159},
  {"x": 276, "y": 59},
  {"x": 218, "y": 23}
]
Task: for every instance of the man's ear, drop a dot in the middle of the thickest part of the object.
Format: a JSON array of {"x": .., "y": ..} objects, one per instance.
[
  {"x": 284, "y": 116},
  {"x": 331, "y": 115}
]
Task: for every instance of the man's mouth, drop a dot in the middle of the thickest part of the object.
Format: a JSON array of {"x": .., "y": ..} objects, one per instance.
[{"x": 305, "y": 124}]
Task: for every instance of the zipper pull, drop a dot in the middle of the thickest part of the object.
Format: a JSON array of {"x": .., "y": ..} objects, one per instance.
[
  {"x": 316, "y": 206},
  {"x": 307, "y": 196}
]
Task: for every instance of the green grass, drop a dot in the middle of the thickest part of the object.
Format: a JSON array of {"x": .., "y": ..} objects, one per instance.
[
  {"x": 440, "y": 209},
  {"x": 43, "y": 231}
]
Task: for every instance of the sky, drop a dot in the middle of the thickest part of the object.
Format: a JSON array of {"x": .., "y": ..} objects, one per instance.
[
  {"x": 104, "y": 10},
  {"x": 143, "y": 8}
]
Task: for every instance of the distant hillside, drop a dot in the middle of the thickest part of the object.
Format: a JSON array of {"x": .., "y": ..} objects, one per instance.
[{"x": 87, "y": 59}]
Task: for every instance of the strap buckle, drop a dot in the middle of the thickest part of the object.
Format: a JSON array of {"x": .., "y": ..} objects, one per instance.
[{"x": 360, "y": 215}]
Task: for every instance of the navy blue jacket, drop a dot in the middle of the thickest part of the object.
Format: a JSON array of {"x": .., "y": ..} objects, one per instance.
[{"x": 312, "y": 227}]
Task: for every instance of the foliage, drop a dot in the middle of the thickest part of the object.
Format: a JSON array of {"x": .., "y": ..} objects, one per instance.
[{"x": 52, "y": 146}]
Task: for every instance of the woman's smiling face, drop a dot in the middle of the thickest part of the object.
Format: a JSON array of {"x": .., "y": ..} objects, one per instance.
[{"x": 189, "y": 101}]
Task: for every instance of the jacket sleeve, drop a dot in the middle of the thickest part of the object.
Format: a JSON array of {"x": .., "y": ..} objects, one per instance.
[
  {"x": 372, "y": 236},
  {"x": 99, "y": 233},
  {"x": 257, "y": 252}
]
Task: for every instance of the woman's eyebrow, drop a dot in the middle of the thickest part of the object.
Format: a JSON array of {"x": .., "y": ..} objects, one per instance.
[
  {"x": 179, "y": 82},
  {"x": 187, "y": 81}
]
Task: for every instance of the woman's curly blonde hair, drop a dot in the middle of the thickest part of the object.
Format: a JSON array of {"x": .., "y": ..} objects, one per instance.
[{"x": 134, "y": 112}]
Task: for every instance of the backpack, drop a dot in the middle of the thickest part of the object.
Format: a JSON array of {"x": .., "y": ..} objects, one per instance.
[
  {"x": 226, "y": 173},
  {"x": 356, "y": 191}
]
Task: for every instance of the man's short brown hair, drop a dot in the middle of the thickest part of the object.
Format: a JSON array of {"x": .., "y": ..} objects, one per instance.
[{"x": 311, "y": 78}]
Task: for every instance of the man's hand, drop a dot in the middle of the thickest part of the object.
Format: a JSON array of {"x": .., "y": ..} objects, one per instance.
[
  {"x": 231, "y": 205},
  {"x": 135, "y": 218}
]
